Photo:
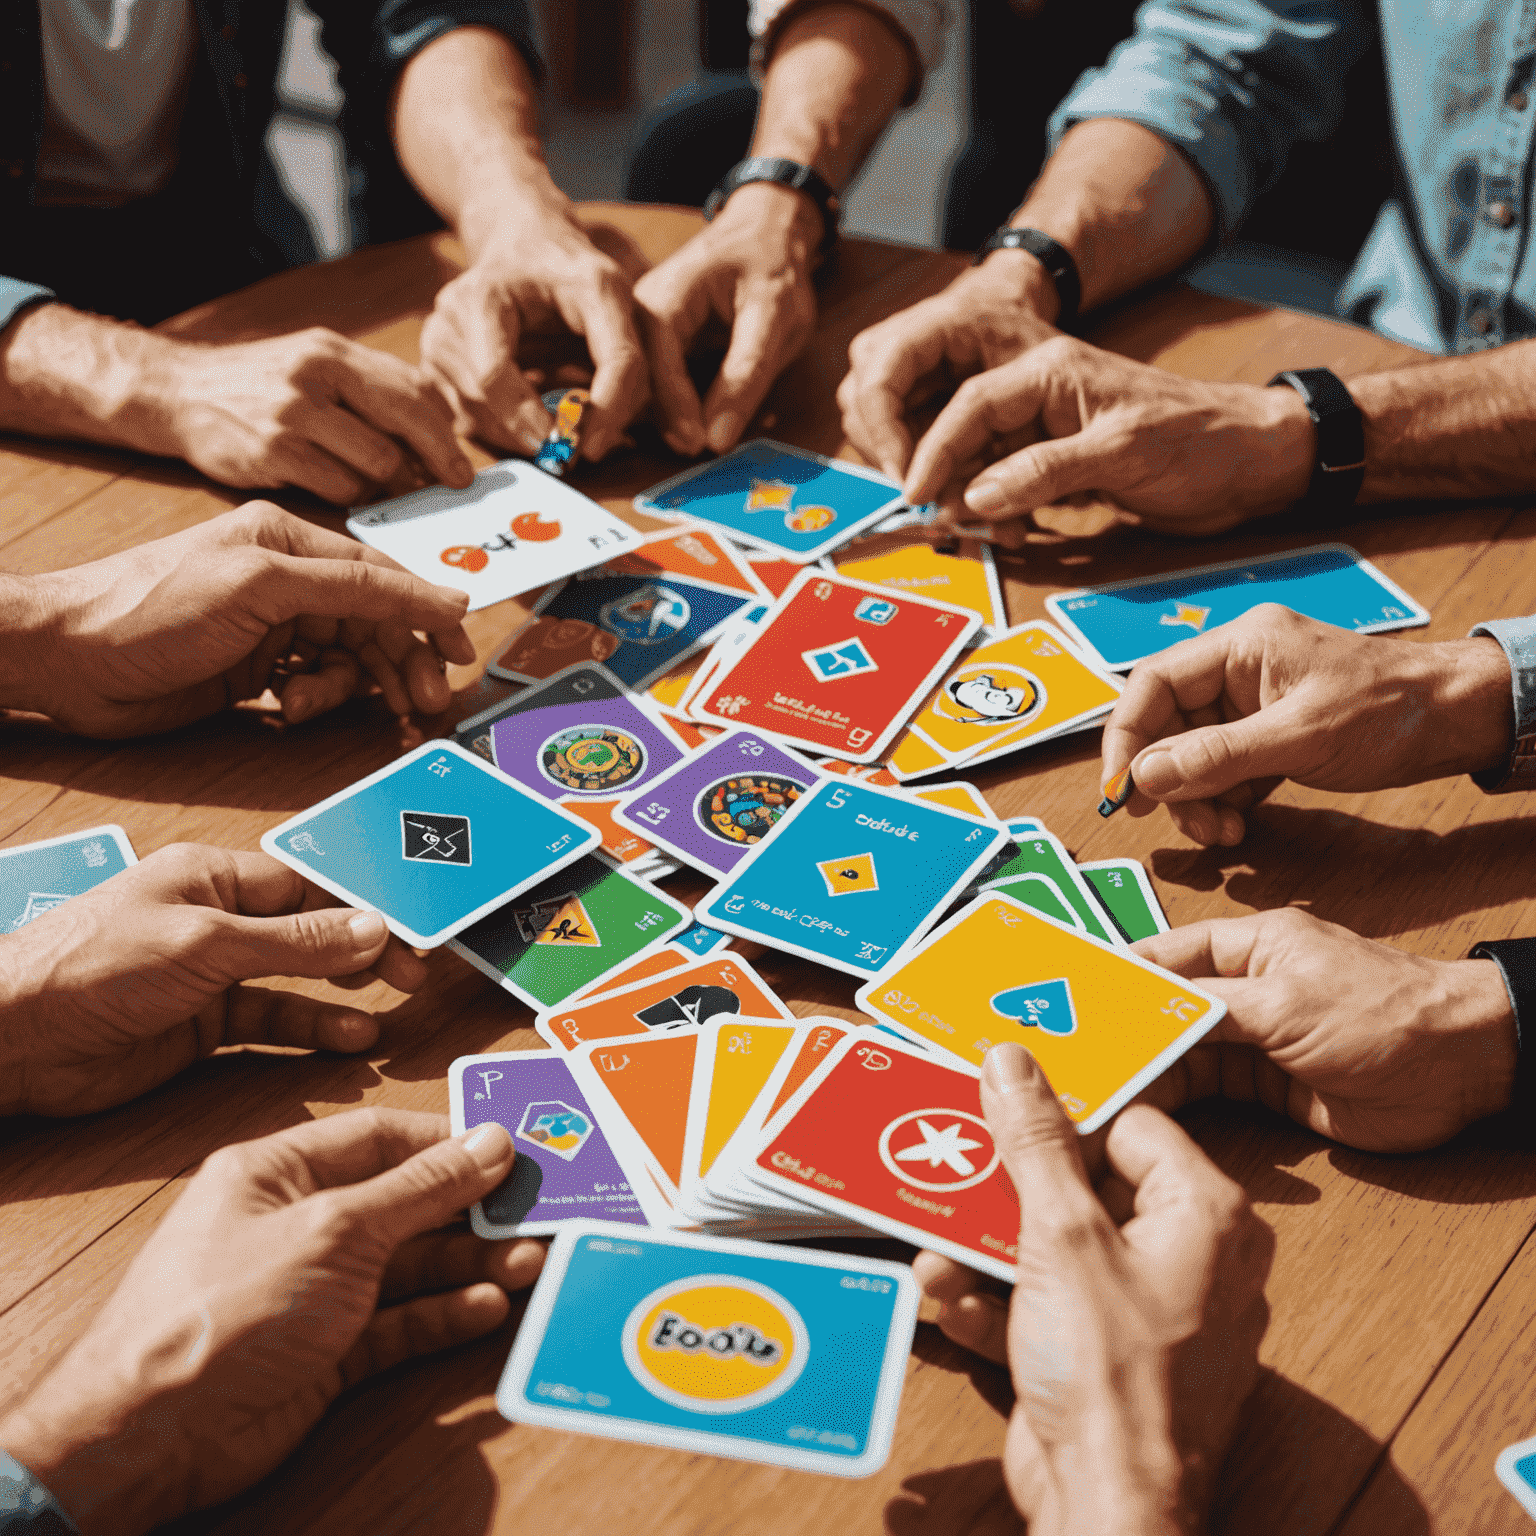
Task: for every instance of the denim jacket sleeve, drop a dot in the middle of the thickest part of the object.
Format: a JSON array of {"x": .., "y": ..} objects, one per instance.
[
  {"x": 1231, "y": 83},
  {"x": 1518, "y": 639},
  {"x": 26, "y": 1507},
  {"x": 15, "y": 295}
]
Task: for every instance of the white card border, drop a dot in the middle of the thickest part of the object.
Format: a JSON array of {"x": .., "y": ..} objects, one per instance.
[
  {"x": 1142, "y": 878},
  {"x": 1504, "y": 1466},
  {"x": 108, "y": 829},
  {"x": 984, "y": 558},
  {"x": 1084, "y": 890}
]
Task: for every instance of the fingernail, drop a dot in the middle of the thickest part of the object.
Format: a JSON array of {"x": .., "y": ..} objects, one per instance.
[
  {"x": 1155, "y": 771},
  {"x": 298, "y": 704},
  {"x": 984, "y": 496},
  {"x": 489, "y": 1145},
  {"x": 1009, "y": 1067},
  {"x": 1202, "y": 826},
  {"x": 366, "y": 928},
  {"x": 531, "y": 441},
  {"x": 723, "y": 431},
  {"x": 1231, "y": 829},
  {"x": 1116, "y": 790}
]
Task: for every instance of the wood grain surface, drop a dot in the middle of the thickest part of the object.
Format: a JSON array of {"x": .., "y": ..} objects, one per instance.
[{"x": 1397, "y": 1361}]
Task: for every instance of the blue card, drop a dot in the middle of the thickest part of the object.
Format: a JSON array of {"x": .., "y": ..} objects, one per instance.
[
  {"x": 432, "y": 842},
  {"x": 1516, "y": 1468},
  {"x": 701, "y": 941},
  {"x": 721, "y": 1347},
  {"x": 37, "y": 877},
  {"x": 564, "y": 1169},
  {"x": 1125, "y": 621},
  {"x": 851, "y": 874},
  {"x": 786, "y": 500}
]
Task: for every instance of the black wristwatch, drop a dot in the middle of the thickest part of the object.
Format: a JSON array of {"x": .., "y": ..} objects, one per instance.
[
  {"x": 1516, "y": 960},
  {"x": 1055, "y": 258},
  {"x": 1339, "y": 469},
  {"x": 783, "y": 173}
]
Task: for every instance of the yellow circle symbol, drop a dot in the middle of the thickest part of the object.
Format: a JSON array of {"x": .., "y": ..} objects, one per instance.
[{"x": 715, "y": 1344}]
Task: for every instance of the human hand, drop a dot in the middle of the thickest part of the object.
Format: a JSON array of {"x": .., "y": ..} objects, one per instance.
[
  {"x": 1382, "y": 1050},
  {"x": 750, "y": 268},
  {"x": 535, "y": 270},
  {"x": 185, "y": 626},
  {"x": 311, "y": 410},
  {"x": 1067, "y": 419},
  {"x": 1212, "y": 724},
  {"x": 989, "y": 315},
  {"x": 1132, "y": 1347},
  {"x": 119, "y": 989},
  {"x": 257, "y": 1301}
]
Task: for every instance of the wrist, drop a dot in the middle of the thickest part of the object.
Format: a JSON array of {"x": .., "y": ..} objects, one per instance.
[
  {"x": 776, "y": 217},
  {"x": 1476, "y": 1008},
  {"x": 1121, "y": 1480},
  {"x": 1017, "y": 279},
  {"x": 517, "y": 202},
  {"x": 1285, "y": 446},
  {"x": 1472, "y": 697},
  {"x": 30, "y": 609}
]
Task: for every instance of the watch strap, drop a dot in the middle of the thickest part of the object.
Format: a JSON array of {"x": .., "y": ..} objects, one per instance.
[
  {"x": 1053, "y": 256},
  {"x": 782, "y": 173},
  {"x": 1339, "y": 468},
  {"x": 1516, "y": 960}
]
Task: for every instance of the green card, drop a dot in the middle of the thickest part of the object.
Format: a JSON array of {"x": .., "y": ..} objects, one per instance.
[
  {"x": 1040, "y": 892},
  {"x": 1126, "y": 892},
  {"x": 1042, "y": 854}
]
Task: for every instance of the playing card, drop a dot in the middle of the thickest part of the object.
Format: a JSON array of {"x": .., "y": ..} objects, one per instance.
[
  {"x": 958, "y": 796},
  {"x": 1101, "y": 1022},
  {"x": 564, "y": 1167},
  {"x": 619, "y": 843},
  {"x": 645, "y": 965},
  {"x": 775, "y": 574},
  {"x": 716, "y": 1346},
  {"x": 1125, "y": 621},
  {"x": 720, "y": 801},
  {"x": 702, "y": 990},
  {"x": 564, "y": 740},
  {"x": 968, "y": 580},
  {"x": 1126, "y": 893},
  {"x": 864, "y": 773},
  {"x": 784, "y": 500},
  {"x": 1516, "y": 1469},
  {"x": 513, "y": 529},
  {"x": 700, "y": 940},
  {"x": 889, "y": 1136},
  {"x": 639, "y": 615},
  {"x": 850, "y": 874},
  {"x": 1043, "y": 854},
  {"x": 588, "y": 683},
  {"x": 1029, "y": 685},
  {"x": 577, "y": 928},
  {"x": 432, "y": 842},
  {"x": 837, "y": 666},
  {"x": 37, "y": 877}
]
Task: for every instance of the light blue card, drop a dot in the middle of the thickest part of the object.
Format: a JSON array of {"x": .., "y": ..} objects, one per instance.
[
  {"x": 1126, "y": 621},
  {"x": 37, "y": 877},
  {"x": 794, "y": 503},
  {"x": 432, "y": 842},
  {"x": 725, "y": 1348},
  {"x": 850, "y": 874},
  {"x": 1516, "y": 1468},
  {"x": 699, "y": 940}
]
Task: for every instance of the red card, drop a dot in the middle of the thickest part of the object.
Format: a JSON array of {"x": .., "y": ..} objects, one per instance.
[
  {"x": 889, "y": 1137},
  {"x": 838, "y": 666}
]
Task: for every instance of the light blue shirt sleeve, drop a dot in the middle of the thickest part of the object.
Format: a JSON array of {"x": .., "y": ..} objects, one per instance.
[
  {"x": 26, "y": 1507},
  {"x": 15, "y": 295},
  {"x": 1517, "y": 637},
  {"x": 1232, "y": 83}
]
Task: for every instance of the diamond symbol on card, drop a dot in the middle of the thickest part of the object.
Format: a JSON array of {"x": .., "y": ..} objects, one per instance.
[
  {"x": 848, "y": 658},
  {"x": 429, "y": 838},
  {"x": 1043, "y": 1005},
  {"x": 848, "y": 875}
]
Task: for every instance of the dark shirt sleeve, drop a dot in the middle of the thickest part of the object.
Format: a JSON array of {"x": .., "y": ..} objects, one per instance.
[{"x": 397, "y": 29}]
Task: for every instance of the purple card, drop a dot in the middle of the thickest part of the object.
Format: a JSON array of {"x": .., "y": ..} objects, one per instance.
[
  {"x": 564, "y": 1167},
  {"x": 721, "y": 800},
  {"x": 578, "y": 748}
]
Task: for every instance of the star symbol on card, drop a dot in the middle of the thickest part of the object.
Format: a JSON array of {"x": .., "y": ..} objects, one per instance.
[{"x": 946, "y": 1148}]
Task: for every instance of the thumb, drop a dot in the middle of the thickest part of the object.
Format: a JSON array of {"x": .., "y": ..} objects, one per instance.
[
  {"x": 1043, "y": 473},
  {"x": 1205, "y": 762},
  {"x": 1039, "y": 1145},
  {"x": 326, "y": 942},
  {"x": 431, "y": 1188}
]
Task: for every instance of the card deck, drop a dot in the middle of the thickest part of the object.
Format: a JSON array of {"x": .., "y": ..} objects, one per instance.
[
  {"x": 1029, "y": 685},
  {"x": 648, "y": 963},
  {"x": 1516, "y": 1469},
  {"x": 851, "y": 874},
  {"x": 37, "y": 877},
  {"x": 564, "y": 1166},
  {"x": 701, "y": 991},
  {"x": 714, "y": 1346},
  {"x": 891, "y": 1137},
  {"x": 1043, "y": 854},
  {"x": 580, "y": 736},
  {"x": 1101, "y": 1022},
  {"x": 1126, "y": 894},
  {"x": 578, "y": 928},
  {"x": 513, "y": 529},
  {"x": 837, "y": 666},
  {"x": 968, "y": 579},
  {"x": 433, "y": 842},
  {"x": 784, "y": 500},
  {"x": 727, "y": 797},
  {"x": 1124, "y": 622}
]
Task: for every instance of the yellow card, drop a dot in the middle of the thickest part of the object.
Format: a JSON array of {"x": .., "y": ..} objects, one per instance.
[
  {"x": 1101, "y": 1022},
  {"x": 958, "y": 796},
  {"x": 1030, "y": 684},
  {"x": 952, "y": 578},
  {"x": 913, "y": 756},
  {"x": 735, "y": 1060}
]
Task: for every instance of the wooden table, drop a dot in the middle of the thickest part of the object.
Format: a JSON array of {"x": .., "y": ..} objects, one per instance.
[{"x": 1401, "y": 1348}]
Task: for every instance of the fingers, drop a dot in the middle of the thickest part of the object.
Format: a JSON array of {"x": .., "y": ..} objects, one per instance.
[
  {"x": 326, "y": 942},
  {"x": 282, "y": 587},
  {"x": 261, "y": 1016},
  {"x": 1037, "y": 1141},
  {"x": 1044, "y": 473},
  {"x": 974, "y": 1319},
  {"x": 885, "y": 364},
  {"x": 441, "y": 1261},
  {"x": 394, "y": 397},
  {"x": 620, "y": 380},
  {"x": 423, "y": 1327},
  {"x": 675, "y": 402},
  {"x": 431, "y": 1188},
  {"x": 768, "y": 330}
]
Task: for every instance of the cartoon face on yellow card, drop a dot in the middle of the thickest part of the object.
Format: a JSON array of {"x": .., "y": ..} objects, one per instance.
[
  {"x": 972, "y": 583},
  {"x": 1101, "y": 1022},
  {"x": 736, "y": 1059},
  {"x": 1029, "y": 683}
]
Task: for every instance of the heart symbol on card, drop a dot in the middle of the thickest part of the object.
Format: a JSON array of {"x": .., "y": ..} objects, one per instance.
[
  {"x": 533, "y": 527},
  {"x": 1043, "y": 1005},
  {"x": 466, "y": 557}
]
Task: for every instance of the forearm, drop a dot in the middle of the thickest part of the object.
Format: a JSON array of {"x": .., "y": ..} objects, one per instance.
[
  {"x": 26, "y": 618},
  {"x": 1127, "y": 206},
  {"x": 1458, "y": 428},
  {"x": 466, "y": 129}
]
